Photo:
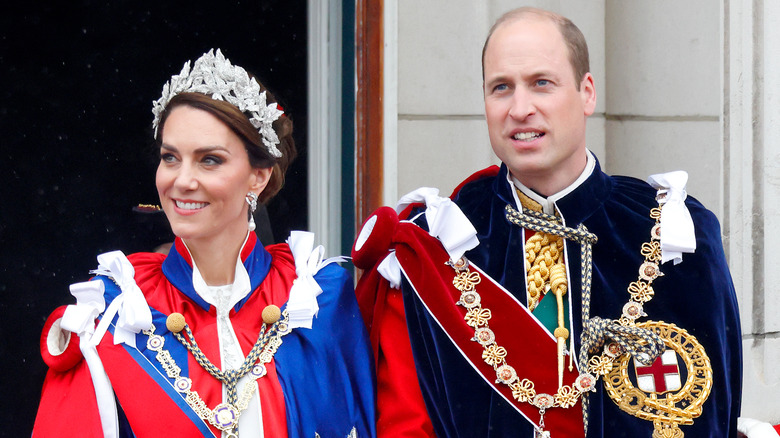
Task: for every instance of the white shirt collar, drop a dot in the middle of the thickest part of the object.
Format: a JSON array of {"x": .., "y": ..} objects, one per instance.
[{"x": 548, "y": 203}]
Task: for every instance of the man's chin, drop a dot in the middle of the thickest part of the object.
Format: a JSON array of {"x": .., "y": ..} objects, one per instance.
[{"x": 527, "y": 170}]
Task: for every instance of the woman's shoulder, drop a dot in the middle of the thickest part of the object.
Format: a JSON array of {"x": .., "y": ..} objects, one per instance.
[
  {"x": 146, "y": 260},
  {"x": 147, "y": 265},
  {"x": 281, "y": 254},
  {"x": 146, "y": 272}
]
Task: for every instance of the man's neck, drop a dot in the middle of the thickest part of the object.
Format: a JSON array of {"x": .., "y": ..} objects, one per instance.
[{"x": 547, "y": 201}]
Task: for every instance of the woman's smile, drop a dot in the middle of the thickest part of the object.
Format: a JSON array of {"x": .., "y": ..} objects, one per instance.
[{"x": 204, "y": 176}]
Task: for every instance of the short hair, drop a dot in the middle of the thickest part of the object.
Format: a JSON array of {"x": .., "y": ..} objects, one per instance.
[
  {"x": 572, "y": 36},
  {"x": 238, "y": 122}
]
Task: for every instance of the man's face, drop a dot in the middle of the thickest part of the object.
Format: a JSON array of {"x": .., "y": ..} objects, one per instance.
[{"x": 535, "y": 114}]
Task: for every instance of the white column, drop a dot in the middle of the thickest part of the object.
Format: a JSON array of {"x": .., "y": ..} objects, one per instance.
[
  {"x": 324, "y": 148},
  {"x": 390, "y": 169},
  {"x": 752, "y": 224}
]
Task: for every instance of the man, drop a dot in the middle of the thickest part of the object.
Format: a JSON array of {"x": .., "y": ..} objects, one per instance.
[{"x": 563, "y": 255}]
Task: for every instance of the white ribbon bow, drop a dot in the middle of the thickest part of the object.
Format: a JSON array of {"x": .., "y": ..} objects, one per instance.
[
  {"x": 390, "y": 269},
  {"x": 80, "y": 319},
  {"x": 677, "y": 231},
  {"x": 445, "y": 220},
  {"x": 302, "y": 305},
  {"x": 134, "y": 312}
]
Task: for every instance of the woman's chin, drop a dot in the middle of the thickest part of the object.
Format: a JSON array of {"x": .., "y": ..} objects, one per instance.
[
  {"x": 186, "y": 232},
  {"x": 197, "y": 232}
]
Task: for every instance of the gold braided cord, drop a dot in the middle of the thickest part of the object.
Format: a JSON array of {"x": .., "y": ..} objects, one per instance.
[
  {"x": 546, "y": 271},
  {"x": 543, "y": 254},
  {"x": 558, "y": 280},
  {"x": 543, "y": 258}
]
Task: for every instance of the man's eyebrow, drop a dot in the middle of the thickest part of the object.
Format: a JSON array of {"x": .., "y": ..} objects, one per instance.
[
  {"x": 542, "y": 73},
  {"x": 496, "y": 79}
]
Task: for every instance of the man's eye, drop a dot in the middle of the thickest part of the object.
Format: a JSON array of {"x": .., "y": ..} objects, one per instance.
[
  {"x": 542, "y": 83},
  {"x": 500, "y": 87}
]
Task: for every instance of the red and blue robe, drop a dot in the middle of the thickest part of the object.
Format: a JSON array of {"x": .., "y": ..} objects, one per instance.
[{"x": 320, "y": 380}]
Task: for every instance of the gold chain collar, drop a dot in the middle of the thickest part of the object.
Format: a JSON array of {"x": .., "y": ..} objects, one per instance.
[
  {"x": 523, "y": 390},
  {"x": 225, "y": 415}
]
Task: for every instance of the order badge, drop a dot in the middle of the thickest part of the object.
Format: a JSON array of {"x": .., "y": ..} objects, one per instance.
[{"x": 669, "y": 392}]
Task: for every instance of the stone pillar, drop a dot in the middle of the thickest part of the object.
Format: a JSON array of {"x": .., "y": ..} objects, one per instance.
[
  {"x": 751, "y": 225},
  {"x": 663, "y": 92}
]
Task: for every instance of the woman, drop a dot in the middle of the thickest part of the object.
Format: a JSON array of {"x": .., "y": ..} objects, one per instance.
[{"x": 221, "y": 337}]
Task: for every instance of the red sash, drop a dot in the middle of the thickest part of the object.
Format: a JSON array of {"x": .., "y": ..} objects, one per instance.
[{"x": 531, "y": 350}]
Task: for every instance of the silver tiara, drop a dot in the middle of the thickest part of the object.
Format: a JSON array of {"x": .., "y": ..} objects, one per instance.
[{"x": 215, "y": 76}]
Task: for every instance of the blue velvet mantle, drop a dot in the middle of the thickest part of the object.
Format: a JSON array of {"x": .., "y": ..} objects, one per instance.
[{"x": 697, "y": 295}]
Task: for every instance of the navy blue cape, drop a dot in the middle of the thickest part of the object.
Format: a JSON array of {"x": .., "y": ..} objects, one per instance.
[{"x": 697, "y": 295}]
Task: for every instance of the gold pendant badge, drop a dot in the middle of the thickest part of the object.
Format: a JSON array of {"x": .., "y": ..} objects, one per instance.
[{"x": 663, "y": 392}]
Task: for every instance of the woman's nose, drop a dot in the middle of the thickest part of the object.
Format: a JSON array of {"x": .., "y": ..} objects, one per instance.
[{"x": 186, "y": 178}]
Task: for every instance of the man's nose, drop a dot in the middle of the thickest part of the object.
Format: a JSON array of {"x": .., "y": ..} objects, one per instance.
[{"x": 523, "y": 104}]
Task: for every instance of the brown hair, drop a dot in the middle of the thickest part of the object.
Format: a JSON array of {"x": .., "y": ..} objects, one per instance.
[
  {"x": 239, "y": 123},
  {"x": 572, "y": 36}
]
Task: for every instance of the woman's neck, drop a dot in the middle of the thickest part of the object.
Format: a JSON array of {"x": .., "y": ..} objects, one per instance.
[{"x": 216, "y": 259}]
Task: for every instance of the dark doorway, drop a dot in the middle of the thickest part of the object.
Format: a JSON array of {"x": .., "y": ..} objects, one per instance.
[{"x": 78, "y": 81}]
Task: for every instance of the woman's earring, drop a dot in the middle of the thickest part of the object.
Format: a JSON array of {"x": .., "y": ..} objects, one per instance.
[{"x": 251, "y": 199}]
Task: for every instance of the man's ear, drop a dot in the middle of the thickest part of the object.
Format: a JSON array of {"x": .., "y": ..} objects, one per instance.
[{"x": 588, "y": 94}]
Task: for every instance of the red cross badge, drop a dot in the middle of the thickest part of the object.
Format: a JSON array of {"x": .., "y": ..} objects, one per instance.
[
  {"x": 670, "y": 391},
  {"x": 663, "y": 375}
]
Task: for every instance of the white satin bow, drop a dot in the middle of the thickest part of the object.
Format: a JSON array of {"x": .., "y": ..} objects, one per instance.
[
  {"x": 390, "y": 269},
  {"x": 446, "y": 221},
  {"x": 302, "y": 305},
  {"x": 677, "y": 230},
  {"x": 80, "y": 318},
  {"x": 134, "y": 312}
]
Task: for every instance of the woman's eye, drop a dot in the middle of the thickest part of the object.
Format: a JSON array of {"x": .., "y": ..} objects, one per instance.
[
  {"x": 211, "y": 160},
  {"x": 167, "y": 157}
]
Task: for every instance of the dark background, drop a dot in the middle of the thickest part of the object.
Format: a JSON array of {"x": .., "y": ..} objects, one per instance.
[{"x": 77, "y": 81}]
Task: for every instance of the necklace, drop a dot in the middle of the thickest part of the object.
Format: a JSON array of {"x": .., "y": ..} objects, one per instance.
[
  {"x": 225, "y": 415},
  {"x": 644, "y": 345}
]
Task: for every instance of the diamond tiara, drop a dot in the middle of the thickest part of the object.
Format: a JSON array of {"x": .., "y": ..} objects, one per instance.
[{"x": 215, "y": 76}]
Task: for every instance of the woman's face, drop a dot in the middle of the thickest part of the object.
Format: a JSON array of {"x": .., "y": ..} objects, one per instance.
[{"x": 204, "y": 176}]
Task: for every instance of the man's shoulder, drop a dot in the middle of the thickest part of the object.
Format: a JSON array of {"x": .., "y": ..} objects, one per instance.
[
  {"x": 631, "y": 191},
  {"x": 640, "y": 190},
  {"x": 633, "y": 187},
  {"x": 476, "y": 183}
]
